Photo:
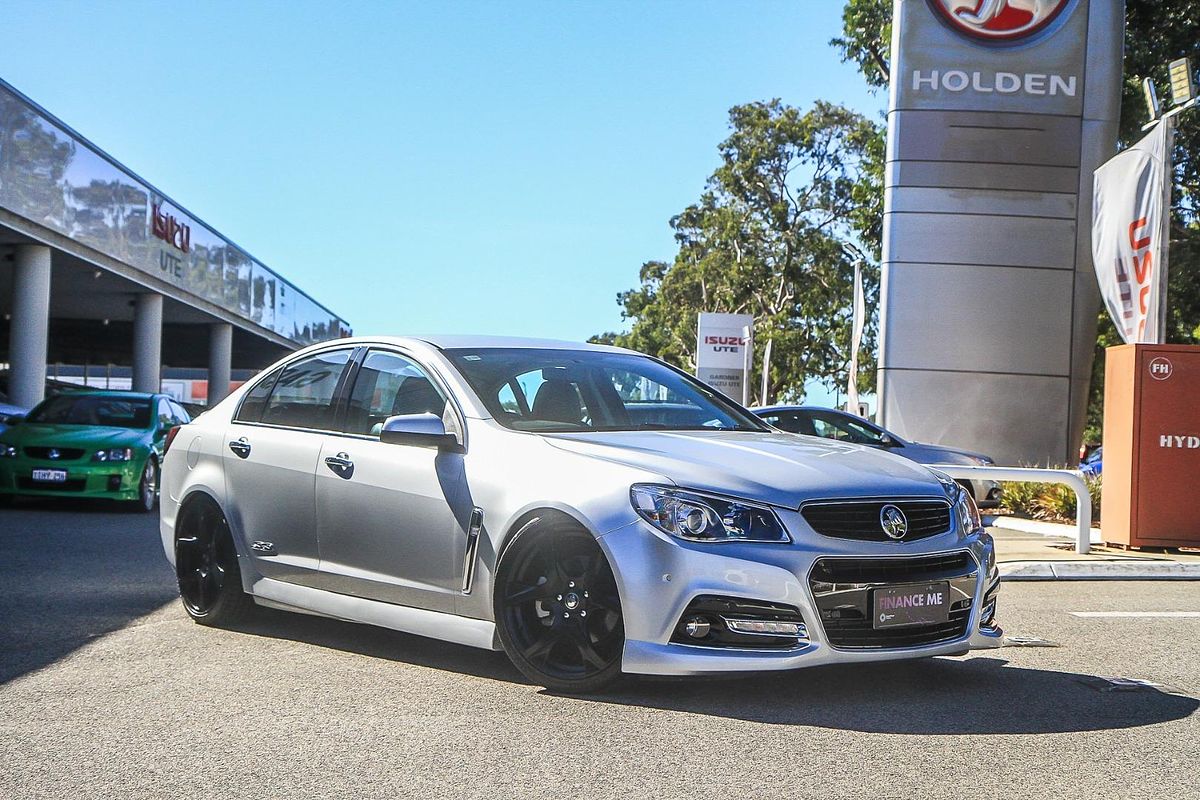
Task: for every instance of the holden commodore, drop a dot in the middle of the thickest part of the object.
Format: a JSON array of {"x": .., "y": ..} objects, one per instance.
[
  {"x": 586, "y": 509},
  {"x": 89, "y": 444}
]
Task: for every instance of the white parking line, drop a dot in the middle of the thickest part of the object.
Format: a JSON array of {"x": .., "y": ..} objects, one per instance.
[{"x": 1134, "y": 613}]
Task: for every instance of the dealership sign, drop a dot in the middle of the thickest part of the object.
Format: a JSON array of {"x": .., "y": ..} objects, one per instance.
[
  {"x": 998, "y": 112},
  {"x": 998, "y": 20},
  {"x": 723, "y": 350},
  {"x": 165, "y": 226},
  {"x": 1130, "y": 210}
]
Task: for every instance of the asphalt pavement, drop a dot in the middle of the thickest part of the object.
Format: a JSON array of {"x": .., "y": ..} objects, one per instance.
[{"x": 108, "y": 690}]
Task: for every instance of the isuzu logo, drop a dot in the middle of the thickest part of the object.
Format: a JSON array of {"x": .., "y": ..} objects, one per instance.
[
  {"x": 893, "y": 521},
  {"x": 998, "y": 20}
]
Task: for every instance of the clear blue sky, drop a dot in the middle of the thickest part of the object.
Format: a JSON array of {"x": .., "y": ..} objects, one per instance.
[{"x": 495, "y": 167}]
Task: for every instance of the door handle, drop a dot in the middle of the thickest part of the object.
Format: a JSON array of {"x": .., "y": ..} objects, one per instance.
[
  {"x": 240, "y": 447},
  {"x": 341, "y": 465}
]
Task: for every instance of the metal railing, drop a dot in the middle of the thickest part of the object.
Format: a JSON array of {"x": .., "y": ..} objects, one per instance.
[{"x": 1066, "y": 477}]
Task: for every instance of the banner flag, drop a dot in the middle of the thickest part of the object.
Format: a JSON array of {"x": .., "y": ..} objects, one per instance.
[
  {"x": 856, "y": 333},
  {"x": 1131, "y": 211}
]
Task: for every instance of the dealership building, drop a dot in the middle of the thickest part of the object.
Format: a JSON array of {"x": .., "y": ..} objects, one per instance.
[{"x": 97, "y": 266}]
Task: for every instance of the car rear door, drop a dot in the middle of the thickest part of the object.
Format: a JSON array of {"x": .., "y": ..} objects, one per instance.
[
  {"x": 392, "y": 518},
  {"x": 271, "y": 453}
]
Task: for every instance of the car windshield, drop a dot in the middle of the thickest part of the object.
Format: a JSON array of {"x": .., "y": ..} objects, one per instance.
[
  {"x": 104, "y": 410},
  {"x": 590, "y": 390}
]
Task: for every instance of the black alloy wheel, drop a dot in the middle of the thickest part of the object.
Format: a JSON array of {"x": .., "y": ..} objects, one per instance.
[
  {"x": 210, "y": 584},
  {"x": 558, "y": 612}
]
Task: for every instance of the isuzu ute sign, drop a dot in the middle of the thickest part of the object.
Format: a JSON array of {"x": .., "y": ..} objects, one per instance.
[{"x": 998, "y": 20}]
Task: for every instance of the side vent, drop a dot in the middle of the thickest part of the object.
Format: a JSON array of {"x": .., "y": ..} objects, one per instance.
[{"x": 469, "y": 557}]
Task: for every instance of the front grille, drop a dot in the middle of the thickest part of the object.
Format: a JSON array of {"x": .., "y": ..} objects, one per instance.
[
  {"x": 860, "y": 519},
  {"x": 70, "y": 485},
  {"x": 64, "y": 453},
  {"x": 843, "y": 590},
  {"x": 857, "y": 631}
]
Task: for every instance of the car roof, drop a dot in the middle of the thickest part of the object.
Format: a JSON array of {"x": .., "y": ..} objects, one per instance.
[
  {"x": 82, "y": 392},
  {"x": 787, "y": 407},
  {"x": 461, "y": 341}
]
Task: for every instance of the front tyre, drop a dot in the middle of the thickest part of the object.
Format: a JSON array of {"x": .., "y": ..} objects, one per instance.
[
  {"x": 147, "y": 488},
  {"x": 558, "y": 613},
  {"x": 210, "y": 583}
]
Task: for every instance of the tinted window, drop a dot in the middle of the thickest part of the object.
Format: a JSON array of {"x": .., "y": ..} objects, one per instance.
[
  {"x": 256, "y": 399},
  {"x": 166, "y": 418},
  {"x": 181, "y": 415},
  {"x": 388, "y": 384},
  {"x": 303, "y": 395},
  {"x": 580, "y": 390},
  {"x": 845, "y": 428},
  {"x": 105, "y": 410}
]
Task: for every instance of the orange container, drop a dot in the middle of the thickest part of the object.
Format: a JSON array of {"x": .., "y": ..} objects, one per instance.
[{"x": 1151, "y": 494}]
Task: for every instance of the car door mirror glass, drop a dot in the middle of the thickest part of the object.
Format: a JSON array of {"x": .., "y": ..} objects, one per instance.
[{"x": 421, "y": 430}]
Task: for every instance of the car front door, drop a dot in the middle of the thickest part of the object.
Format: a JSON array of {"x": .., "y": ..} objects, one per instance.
[
  {"x": 271, "y": 452},
  {"x": 392, "y": 519}
]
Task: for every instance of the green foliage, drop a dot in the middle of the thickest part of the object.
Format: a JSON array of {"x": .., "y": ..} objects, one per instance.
[
  {"x": 867, "y": 39},
  {"x": 796, "y": 200},
  {"x": 1156, "y": 33},
  {"x": 1047, "y": 501}
]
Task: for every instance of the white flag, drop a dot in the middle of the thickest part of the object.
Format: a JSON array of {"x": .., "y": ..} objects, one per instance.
[
  {"x": 1131, "y": 211},
  {"x": 856, "y": 333}
]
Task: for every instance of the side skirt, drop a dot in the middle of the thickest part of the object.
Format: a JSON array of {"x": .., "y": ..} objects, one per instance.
[{"x": 434, "y": 624}]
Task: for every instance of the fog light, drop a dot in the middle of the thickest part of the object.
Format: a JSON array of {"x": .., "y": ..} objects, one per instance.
[
  {"x": 114, "y": 483},
  {"x": 766, "y": 627},
  {"x": 697, "y": 627}
]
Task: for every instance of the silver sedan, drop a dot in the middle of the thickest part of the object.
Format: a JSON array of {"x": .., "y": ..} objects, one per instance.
[{"x": 587, "y": 509}]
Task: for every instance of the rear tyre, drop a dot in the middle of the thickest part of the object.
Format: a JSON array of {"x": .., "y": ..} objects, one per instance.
[
  {"x": 206, "y": 564},
  {"x": 558, "y": 613}
]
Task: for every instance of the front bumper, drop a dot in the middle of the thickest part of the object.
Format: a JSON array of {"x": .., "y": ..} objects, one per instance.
[
  {"x": 113, "y": 481},
  {"x": 659, "y": 577}
]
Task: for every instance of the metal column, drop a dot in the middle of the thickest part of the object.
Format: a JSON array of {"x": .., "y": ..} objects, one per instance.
[
  {"x": 29, "y": 333},
  {"x": 147, "y": 343},
  {"x": 220, "y": 354}
]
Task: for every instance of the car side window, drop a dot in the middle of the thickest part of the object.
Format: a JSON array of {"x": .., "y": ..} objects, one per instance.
[
  {"x": 835, "y": 426},
  {"x": 388, "y": 384},
  {"x": 303, "y": 395},
  {"x": 165, "y": 418},
  {"x": 255, "y": 400},
  {"x": 182, "y": 417}
]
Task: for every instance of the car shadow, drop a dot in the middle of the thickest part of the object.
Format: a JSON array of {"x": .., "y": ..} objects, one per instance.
[
  {"x": 938, "y": 696},
  {"x": 70, "y": 571}
]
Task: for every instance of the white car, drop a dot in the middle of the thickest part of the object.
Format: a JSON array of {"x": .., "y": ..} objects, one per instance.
[{"x": 587, "y": 509}]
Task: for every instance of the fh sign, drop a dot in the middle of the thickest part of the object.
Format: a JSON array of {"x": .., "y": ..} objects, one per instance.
[{"x": 723, "y": 352}]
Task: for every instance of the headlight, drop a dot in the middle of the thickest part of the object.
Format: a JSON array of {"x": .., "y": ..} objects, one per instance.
[
  {"x": 706, "y": 518},
  {"x": 115, "y": 454},
  {"x": 7, "y": 451},
  {"x": 968, "y": 513}
]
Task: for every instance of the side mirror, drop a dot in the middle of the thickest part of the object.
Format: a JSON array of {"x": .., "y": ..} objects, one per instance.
[
  {"x": 421, "y": 430},
  {"x": 889, "y": 441}
]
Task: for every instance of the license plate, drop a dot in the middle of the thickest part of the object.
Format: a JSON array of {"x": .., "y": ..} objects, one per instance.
[
  {"x": 912, "y": 604},
  {"x": 50, "y": 475}
]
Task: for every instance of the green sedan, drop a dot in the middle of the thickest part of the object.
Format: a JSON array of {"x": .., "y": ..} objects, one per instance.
[{"x": 89, "y": 444}]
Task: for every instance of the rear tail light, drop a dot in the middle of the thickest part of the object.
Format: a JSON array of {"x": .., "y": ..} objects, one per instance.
[{"x": 171, "y": 434}]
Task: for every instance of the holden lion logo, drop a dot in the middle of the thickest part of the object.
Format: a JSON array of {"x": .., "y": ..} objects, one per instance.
[
  {"x": 998, "y": 20},
  {"x": 893, "y": 521}
]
